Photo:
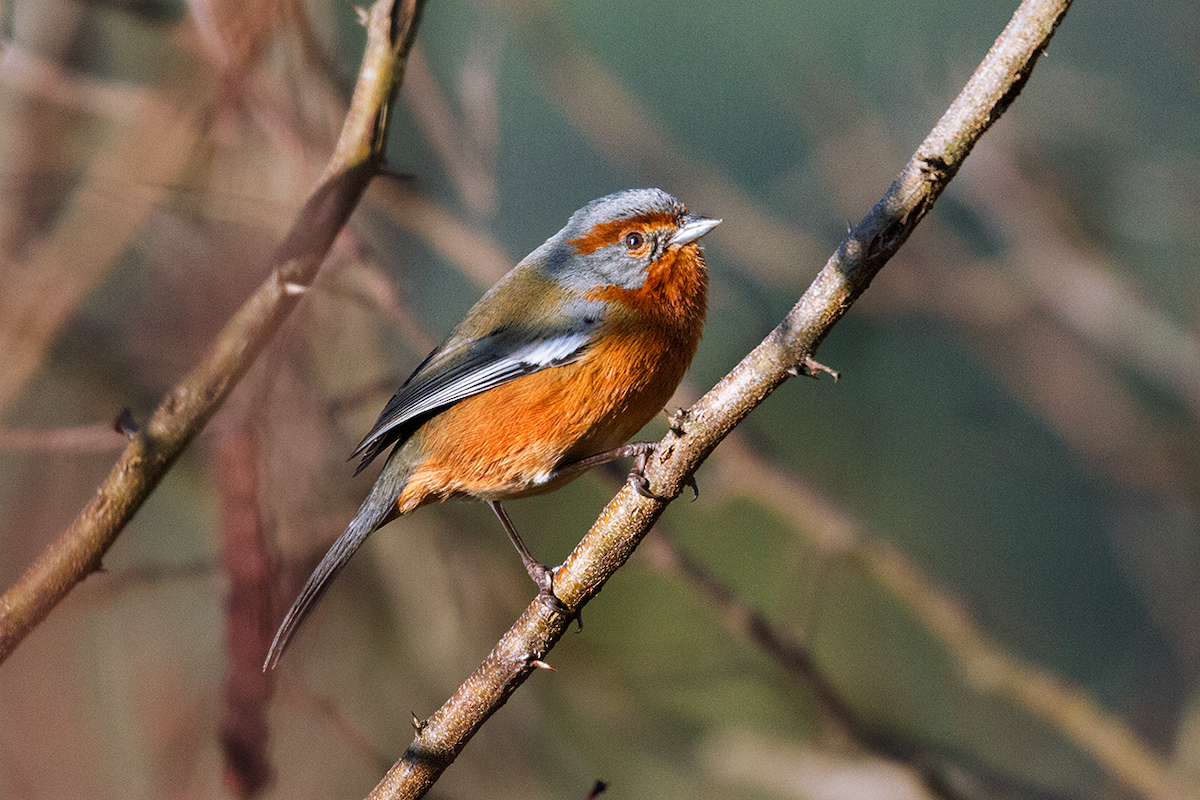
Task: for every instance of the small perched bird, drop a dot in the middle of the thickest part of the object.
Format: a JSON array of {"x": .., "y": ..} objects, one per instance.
[{"x": 555, "y": 368}]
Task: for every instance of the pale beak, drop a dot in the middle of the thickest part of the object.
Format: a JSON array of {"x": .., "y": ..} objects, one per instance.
[{"x": 693, "y": 228}]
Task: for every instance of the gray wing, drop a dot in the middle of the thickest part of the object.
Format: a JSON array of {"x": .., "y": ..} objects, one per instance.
[{"x": 447, "y": 377}]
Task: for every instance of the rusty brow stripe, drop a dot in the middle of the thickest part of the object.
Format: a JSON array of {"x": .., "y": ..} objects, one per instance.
[{"x": 603, "y": 234}]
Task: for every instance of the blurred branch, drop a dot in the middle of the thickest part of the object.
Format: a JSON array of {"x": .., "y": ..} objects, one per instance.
[
  {"x": 466, "y": 164},
  {"x": 247, "y": 559},
  {"x": 938, "y": 773},
  {"x": 122, "y": 187},
  {"x": 1081, "y": 288},
  {"x": 150, "y": 575},
  {"x": 1058, "y": 322},
  {"x": 49, "y": 82},
  {"x": 183, "y": 412},
  {"x": 474, "y": 254},
  {"x": 81, "y": 439},
  {"x": 327, "y": 708},
  {"x": 990, "y": 669},
  {"x": 750, "y": 622},
  {"x": 985, "y": 666},
  {"x": 625, "y": 521}
]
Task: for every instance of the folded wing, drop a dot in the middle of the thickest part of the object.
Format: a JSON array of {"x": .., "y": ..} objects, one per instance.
[{"x": 453, "y": 374}]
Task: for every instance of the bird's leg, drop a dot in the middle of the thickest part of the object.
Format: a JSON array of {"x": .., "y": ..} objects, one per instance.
[
  {"x": 640, "y": 451},
  {"x": 542, "y": 576},
  {"x": 636, "y": 449}
]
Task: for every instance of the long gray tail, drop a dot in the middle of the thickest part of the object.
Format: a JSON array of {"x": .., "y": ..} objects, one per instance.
[{"x": 373, "y": 513}]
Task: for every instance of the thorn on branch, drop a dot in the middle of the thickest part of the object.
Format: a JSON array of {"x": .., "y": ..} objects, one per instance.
[
  {"x": 810, "y": 368},
  {"x": 125, "y": 424},
  {"x": 537, "y": 662}
]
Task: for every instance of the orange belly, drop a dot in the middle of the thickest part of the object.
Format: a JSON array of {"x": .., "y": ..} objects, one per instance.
[{"x": 508, "y": 441}]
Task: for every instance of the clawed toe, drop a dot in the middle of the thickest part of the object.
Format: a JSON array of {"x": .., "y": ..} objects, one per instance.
[
  {"x": 637, "y": 480},
  {"x": 642, "y": 486},
  {"x": 550, "y": 599},
  {"x": 556, "y": 605}
]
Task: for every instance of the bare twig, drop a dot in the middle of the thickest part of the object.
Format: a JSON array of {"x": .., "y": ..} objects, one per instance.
[
  {"x": 629, "y": 516},
  {"x": 392, "y": 25}
]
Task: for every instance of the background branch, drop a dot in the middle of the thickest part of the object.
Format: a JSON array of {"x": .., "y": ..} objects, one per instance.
[
  {"x": 626, "y": 520},
  {"x": 185, "y": 410},
  {"x": 985, "y": 665}
]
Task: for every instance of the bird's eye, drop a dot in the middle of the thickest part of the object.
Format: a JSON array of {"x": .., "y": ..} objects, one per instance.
[{"x": 634, "y": 240}]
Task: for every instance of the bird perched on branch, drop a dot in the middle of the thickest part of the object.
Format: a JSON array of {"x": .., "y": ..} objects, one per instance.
[{"x": 549, "y": 374}]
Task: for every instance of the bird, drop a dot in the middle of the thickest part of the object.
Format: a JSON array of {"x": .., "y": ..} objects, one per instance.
[{"x": 550, "y": 373}]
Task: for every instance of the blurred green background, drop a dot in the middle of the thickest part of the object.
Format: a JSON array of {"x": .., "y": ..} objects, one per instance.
[{"x": 1011, "y": 452}]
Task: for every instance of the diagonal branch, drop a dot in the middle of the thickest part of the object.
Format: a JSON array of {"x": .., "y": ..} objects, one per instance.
[
  {"x": 785, "y": 351},
  {"x": 392, "y": 26}
]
